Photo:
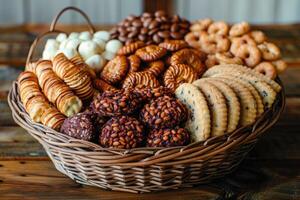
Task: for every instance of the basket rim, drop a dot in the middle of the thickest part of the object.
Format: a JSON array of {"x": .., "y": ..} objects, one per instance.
[{"x": 22, "y": 118}]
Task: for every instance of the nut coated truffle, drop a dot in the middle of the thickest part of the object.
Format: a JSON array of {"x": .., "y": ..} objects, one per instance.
[
  {"x": 116, "y": 103},
  {"x": 122, "y": 132},
  {"x": 79, "y": 126},
  {"x": 163, "y": 112},
  {"x": 148, "y": 93},
  {"x": 168, "y": 137}
]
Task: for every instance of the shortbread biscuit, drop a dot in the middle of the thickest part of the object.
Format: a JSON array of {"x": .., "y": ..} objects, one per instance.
[
  {"x": 233, "y": 104},
  {"x": 247, "y": 101},
  {"x": 230, "y": 68},
  {"x": 265, "y": 90},
  {"x": 217, "y": 106},
  {"x": 254, "y": 92},
  {"x": 198, "y": 123}
]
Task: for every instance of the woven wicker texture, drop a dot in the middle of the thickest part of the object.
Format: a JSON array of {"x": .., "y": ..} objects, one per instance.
[{"x": 143, "y": 169}]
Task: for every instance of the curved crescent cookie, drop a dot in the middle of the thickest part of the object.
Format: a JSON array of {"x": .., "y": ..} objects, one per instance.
[
  {"x": 248, "y": 103},
  {"x": 254, "y": 92},
  {"x": 198, "y": 122},
  {"x": 217, "y": 105},
  {"x": 233, "y": 104},
  {"x": 231, "y": 68}
]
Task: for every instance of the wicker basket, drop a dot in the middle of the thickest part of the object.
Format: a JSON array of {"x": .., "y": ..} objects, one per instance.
[{"x": 145, "y": 169}]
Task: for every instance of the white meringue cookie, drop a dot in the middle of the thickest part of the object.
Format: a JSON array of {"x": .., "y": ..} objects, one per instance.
[
  {"x": 74, "y": 35},
  {"x": 88, "y": 48},
  {"x": 108, "y": 55},
  {"x": 72, "y": 43},
  {"x": 69, "y": 53},
  {"x": 103, "y": 35},
  {"x": 48, "y": 54},
  {"x": 61, "y": 37},
  {"x": 113, "y": 46},
  {"x": 63, "y": 44},
  {"x": 52, "y": 44},
  {"x": 101, "y": 43},
  {"x": 85, "y": 35},
  {"x": 96, "y": 62}
]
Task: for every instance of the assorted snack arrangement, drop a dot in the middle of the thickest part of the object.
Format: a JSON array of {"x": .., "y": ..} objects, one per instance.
[{"x": 154, "y": 80}]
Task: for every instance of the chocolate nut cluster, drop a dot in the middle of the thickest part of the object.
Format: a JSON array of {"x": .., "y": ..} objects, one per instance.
[
  {"x": 168, "y": 137},
  {"x": 151, "y": 28},
  {"x": 115, "y": 103},
  {"x": 80, "y": 126},
  {"x": 122, "y": 132},
  {"x": 163, "y": 112}
]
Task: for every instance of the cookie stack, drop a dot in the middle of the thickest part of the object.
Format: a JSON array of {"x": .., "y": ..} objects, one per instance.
[
  {"x": 35, "y": 102},
  {"x": 75, "y": 76},
  {"x": 236, "y": 44},
  {"x": 228, "y": 97},
  {"x": 169, "y": 63},
  {"x": 56, "y": 91}
]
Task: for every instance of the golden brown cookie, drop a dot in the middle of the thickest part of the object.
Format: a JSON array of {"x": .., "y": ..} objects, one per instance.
[
  {"x": 140, "y": 79},
  {"x": 188, "y": 57},
  {"x": 115, "y": 70},
  {"x": 155, "y": 67},
  {"x": 178, "y": 74},
  {"x": 102, "y": 85},
  {"x": 134, "y": 63},
  {"x": 151, "y": 52},
  {"x": 131, "y": 48},
  {"x": 173, "y": 45}
]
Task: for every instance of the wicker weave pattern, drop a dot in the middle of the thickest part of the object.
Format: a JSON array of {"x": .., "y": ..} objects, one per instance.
[{"x": 145, "y": 169}]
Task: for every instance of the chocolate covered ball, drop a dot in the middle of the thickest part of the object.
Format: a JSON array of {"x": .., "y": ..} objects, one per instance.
[
  {"x": 80, "y": 126},
  {"x": 122, "y": 132},
  {"x": 116, "y": 103},
  {"x": 168, "y": 137},
  {"x": 163, "y": 112}
]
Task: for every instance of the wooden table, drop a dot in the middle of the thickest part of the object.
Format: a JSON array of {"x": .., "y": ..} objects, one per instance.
[{"x": 270, "y": 171}]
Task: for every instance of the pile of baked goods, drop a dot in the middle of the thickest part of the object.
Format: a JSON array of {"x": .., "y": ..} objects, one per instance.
[
  {"x": 236, "y": 44},
  {"x": 95, "y": 49},
  {"x": 169, "y": 63},
  {"x": 156, "y": 89}
]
